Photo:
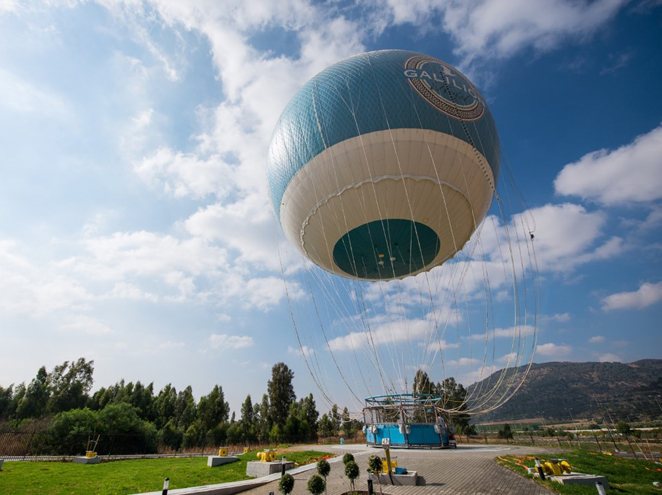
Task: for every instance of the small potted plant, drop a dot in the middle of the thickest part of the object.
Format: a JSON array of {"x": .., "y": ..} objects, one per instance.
[
  {"x": 316, "y": 484},
  {"x": 323, "y": 469},
  {"x": 375, "y": 468},
  {"x": 347, "y": 458},
  {"x": 352, "y": 472},
  {"x": 286, "y": 484}
]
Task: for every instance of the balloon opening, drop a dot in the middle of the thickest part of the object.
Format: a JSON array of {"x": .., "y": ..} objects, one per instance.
[{"x": 386, "y": 249}]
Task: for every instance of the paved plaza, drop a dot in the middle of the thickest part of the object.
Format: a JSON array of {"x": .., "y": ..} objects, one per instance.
[{"x": 470, "y": 470}]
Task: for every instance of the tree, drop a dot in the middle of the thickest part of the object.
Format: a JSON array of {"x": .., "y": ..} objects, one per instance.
[
  {"x": 195, "y": 435},
  {"x": 623, "y": 428},
  {"x": 286, "y": 484},
  {"x": 164, "y": 405},
  {"x": 70, "y": 384},
  {"x": 70, "y": 431},
  {"x": 6, "y": 396},
  {"x": 310, "y": 414},
  {"x": 264, "y": 425},
  {"x": 347, "y": 423},
  {"x": 375, "y": 468},
  {"x": 336, "y": 420},
  {"x": 294, "y": 429},
  {"x": 281, "y": 394},
  {"x": 170, "y": 436},
  {"x": 506, "y": 433},
  {"x": 35, "y": 400},
  {"x": 212, "y": 408},
  {"x": 124, "y": 431},
  {"x": 325, "y": 426},
  {"x": 247, "y": 420},
  {"x": 422, "y": 383},
  {"x": 323, "y": 468},
  {"x": 316, "y": 484},
  {"x": 185, "y": 410},
  {"x": 454, "y": 397},
  {"x": 352, "y": 472}
]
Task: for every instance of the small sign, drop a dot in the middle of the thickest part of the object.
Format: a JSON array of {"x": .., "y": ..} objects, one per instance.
[{"x": 386, "y": 441}]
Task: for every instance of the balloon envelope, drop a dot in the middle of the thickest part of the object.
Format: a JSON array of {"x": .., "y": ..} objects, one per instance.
[{"x": 383, "y": 164}]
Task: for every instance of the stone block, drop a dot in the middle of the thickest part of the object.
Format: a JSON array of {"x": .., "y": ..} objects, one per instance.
[
  {"x": 257, "y": 469},
  {"x": 219, "y": 460},
  {"x": 409, "y": 479},
  {"x": 580, "y": 479}
]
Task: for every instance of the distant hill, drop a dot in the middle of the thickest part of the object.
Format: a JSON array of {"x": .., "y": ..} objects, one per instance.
[{"x": 565, "y": 391}]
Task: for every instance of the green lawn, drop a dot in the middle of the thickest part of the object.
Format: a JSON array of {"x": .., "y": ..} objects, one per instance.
[
  {"x": 122, "y": 477},
  {"x": 625, "y": 476}
]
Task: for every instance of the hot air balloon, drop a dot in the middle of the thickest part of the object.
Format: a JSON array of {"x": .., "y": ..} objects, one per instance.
[
  {"x": 382, "y": 168},
  {"x": 382, "y": 165}
]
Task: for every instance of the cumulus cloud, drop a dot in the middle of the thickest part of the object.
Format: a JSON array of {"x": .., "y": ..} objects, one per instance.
[
  {"x": 629, "y": 174},
  {"x": 463, "y": 361},
  {"x": 609, "y": 358},
  {"x": 553, "y": 350},
  {"x": 596, "y": 339},
  {"x": 184, "y": 175},
  {"x": 647, "y": 295},
  {"x": 302, "y": 351},
  {"x": 442, "y": 345},
  {"x": 492, "y": 28},
  {"x": 223, "y": 341},
  {"x": 510, "y": 332},
  {"x": 558, "y": 317},
  {"x": 386, "y": 333}
]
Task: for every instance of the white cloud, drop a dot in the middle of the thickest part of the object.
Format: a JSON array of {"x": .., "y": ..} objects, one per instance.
[
  {"x": 647, "y": 295},
  {"x": 509, "y": 358},
  {"x": 511, "y": 332},
  {"x": 463, "y": 361},
  {"x": 302, "y": 351},
  {"x": 86, "y": 325},
  {"x": 184, "y": 175},
  {"x": 566, "y": 236},
  {"x": 560, "y": 317},
  {"x": 477, "y": 375},
  {"x": 22, "y": 96},
  {"x": 596, "y": 339},
  {"x": 385, "y": 333},
  {"x": 631, "y": 173},
  {"x": 553, "y": 350},
  {"x": 493, "y": 28},
  {"x": 223, "y": 341},
  {"x": 442, "y": 345},
  {"x": 609, "y": 358}
]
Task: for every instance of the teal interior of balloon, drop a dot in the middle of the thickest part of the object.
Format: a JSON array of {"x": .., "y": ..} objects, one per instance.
[{"x": 386, "y": 249}]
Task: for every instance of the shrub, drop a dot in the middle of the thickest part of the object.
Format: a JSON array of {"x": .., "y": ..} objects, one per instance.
[
  {"x": 347, "y": 458},
  {"x": 316, "y": 484},
  {"x": 352, "y": 472},
  {"x": 323, "y": 468},
  {"x": 286, "y": 484}
]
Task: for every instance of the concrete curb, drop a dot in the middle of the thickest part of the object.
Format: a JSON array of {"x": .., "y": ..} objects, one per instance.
[{"x": 239, "y": 486}]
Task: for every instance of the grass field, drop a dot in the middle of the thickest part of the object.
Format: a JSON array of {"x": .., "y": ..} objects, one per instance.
[
  {"x": 625, "y": 476},
  {"x": 122, "y": 477}
]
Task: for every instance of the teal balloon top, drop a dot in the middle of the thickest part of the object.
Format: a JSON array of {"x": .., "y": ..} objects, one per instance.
[{"x": 376, "y": 91}]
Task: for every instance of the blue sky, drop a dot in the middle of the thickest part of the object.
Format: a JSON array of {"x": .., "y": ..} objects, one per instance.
[{"x": 135, "y": 225}]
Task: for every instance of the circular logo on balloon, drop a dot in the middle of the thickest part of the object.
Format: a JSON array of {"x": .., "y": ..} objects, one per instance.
[{"x": 443, "y": 87}]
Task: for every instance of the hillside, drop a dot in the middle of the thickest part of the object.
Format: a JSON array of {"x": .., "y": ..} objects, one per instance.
[{"x": 562, "y": 391}]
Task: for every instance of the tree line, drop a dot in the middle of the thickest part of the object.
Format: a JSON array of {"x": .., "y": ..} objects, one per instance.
[{"x": 134, "y": 418}]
